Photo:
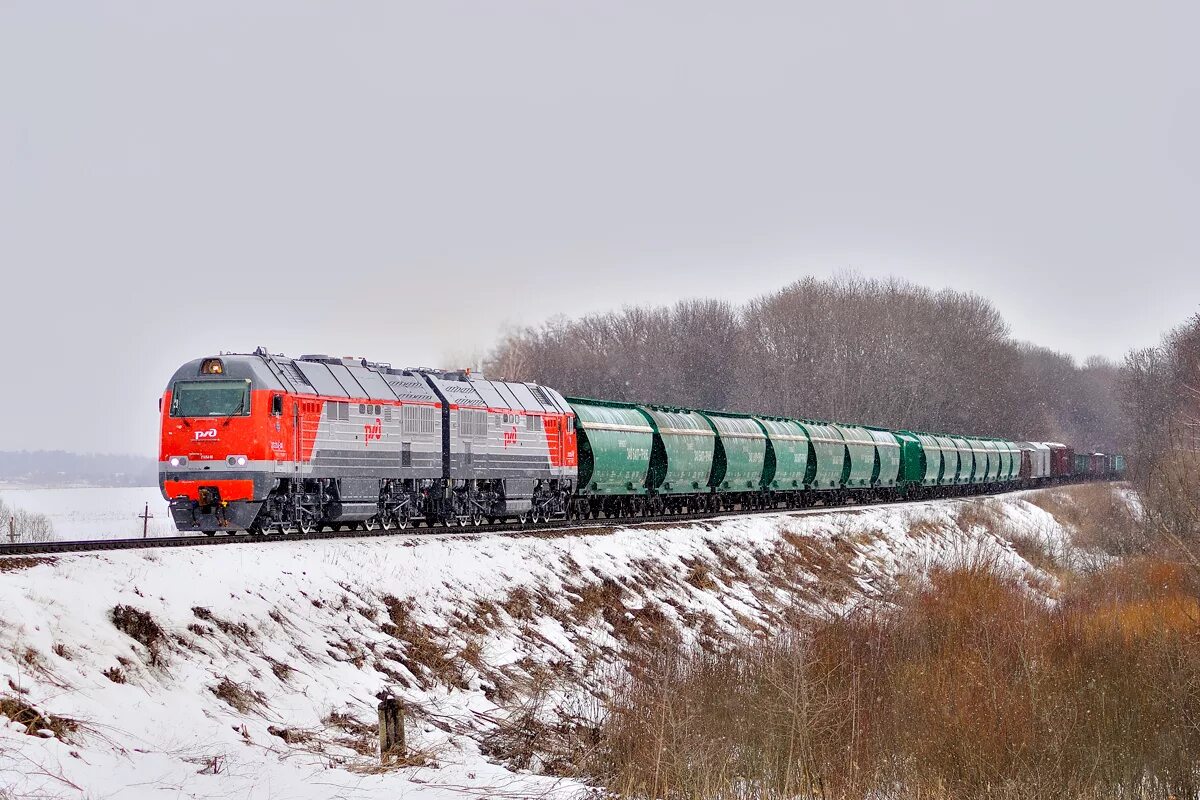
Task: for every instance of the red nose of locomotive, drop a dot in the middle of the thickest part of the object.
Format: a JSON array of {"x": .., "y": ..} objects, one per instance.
[{"x": 212, "y": 459}]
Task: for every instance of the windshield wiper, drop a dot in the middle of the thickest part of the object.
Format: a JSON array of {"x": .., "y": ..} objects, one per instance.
[{"x": 241, "y": 406}]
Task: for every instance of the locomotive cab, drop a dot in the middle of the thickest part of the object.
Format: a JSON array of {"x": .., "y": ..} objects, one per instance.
[{"x": 221, "y": 429}]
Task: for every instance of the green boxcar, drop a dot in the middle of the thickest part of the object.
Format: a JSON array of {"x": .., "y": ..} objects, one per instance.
[
  {"x": 966, "y": 459},
  {"x": 827, "y": 458},
  {"x": 787, "y": 457},
  {"x": 740, "y": 452},
  {"x": 950, "y": 460},
  {"x": 861, "y": 449},
  {"x": 614, "y": 441},
  {"x": 887, "y": 458},
  {"x": 681, "y": 460}
]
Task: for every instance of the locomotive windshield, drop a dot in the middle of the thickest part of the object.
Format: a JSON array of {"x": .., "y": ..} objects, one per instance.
[{"x": 210, "y": 399}]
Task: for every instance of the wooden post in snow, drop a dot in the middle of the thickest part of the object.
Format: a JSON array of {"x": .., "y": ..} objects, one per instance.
[
  {"x": 391, "y": 728},
  {"x": 145, "y": 517}
]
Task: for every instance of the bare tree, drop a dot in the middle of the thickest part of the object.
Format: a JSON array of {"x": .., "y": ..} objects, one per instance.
[
  {"x": 24, "y": 526},
  {"x": 883, "y": 352}
]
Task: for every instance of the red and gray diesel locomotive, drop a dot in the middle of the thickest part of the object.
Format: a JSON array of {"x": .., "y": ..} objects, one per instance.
[
  {"x": 269, "y": 444},
  {"x": 266, "y": 443}
]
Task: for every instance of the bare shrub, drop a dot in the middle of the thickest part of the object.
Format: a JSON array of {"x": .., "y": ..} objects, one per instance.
[
  {"x": 25, "y": 526},
  {"x": 238, "y": 696},
  {"x": 35, "y": 721},
  {"x": 141, "y": 627}
]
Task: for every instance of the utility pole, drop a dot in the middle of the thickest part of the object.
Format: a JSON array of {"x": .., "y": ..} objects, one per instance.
[
  {"x": 145, "y": 517},
  {"x": 12, "y": 529}
]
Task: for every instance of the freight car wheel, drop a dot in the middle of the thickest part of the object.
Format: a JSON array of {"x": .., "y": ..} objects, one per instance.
[{"x": 209, "y": 533}]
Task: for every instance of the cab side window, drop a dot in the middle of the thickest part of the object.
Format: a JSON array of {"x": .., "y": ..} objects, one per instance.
[{"x": 276, "y": 404}]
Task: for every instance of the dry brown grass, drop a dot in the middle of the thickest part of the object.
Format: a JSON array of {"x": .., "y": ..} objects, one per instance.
[
  {"x": 35, "y": 721},
  {"x": 1098, "y": 516},
  {"x": 963, "y": 686},
  {"x": 12, "y": 564},
  {"x": 361, "y": 737},
  {"x": 425, "y": 656},
  {"x": 238, "y": 696},
  {"x": 977, "y": 514},
  {"x": 240, "y": 631},
  {"x": 141, "y": 627}
]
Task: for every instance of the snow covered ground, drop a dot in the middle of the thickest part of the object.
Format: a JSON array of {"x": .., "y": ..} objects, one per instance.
[
  {"x": 90, "y": 512},
  {"x": 251, "y": 671}
]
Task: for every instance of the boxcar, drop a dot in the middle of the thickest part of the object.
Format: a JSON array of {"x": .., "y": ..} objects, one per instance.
[{"x": 1062, "y": 461}]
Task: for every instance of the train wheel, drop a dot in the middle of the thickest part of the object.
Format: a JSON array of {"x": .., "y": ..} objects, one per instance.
[
  {"x": 402, "y": 522},
  {"x": 477, "y": 519},
  {"x": 371, "y": 524},
  {"x": 309, "y": 525}
]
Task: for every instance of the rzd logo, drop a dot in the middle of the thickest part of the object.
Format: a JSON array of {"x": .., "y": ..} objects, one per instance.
[
  {"x": 211, "y": 433},
  {"x": 373, "y": 431},
  {"x": 510, "y": 437}
]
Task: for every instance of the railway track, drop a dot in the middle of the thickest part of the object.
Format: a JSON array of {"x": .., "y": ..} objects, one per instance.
[{"x": 509, "y": 528}]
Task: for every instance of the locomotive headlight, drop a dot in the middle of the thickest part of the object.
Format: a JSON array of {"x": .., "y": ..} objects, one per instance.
[
  {"x": 178, "y": 461},
  {"x": 236, "y": 461}
]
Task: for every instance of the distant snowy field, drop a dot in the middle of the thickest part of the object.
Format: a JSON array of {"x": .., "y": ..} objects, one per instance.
[{"x": 93, "y": 512}]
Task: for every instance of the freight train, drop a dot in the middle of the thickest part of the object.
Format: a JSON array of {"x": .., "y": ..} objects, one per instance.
[{"x": 268, "y": 444}]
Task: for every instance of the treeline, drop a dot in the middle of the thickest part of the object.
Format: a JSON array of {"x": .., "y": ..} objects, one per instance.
[
  {"x": 879, "y": 352},
  {"x": 59, "y": 468},
  {"x": 1161, "y": 393}
]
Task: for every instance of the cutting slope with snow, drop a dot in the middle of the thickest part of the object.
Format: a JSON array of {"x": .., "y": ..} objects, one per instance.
[{"x": 252, "y": 670}]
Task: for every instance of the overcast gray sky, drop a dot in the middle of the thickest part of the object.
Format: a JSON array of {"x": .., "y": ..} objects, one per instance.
[{"x": 401, "y": 180}]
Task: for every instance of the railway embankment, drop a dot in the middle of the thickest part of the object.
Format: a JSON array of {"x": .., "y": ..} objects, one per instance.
[{"x": 253, "y": 671}]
